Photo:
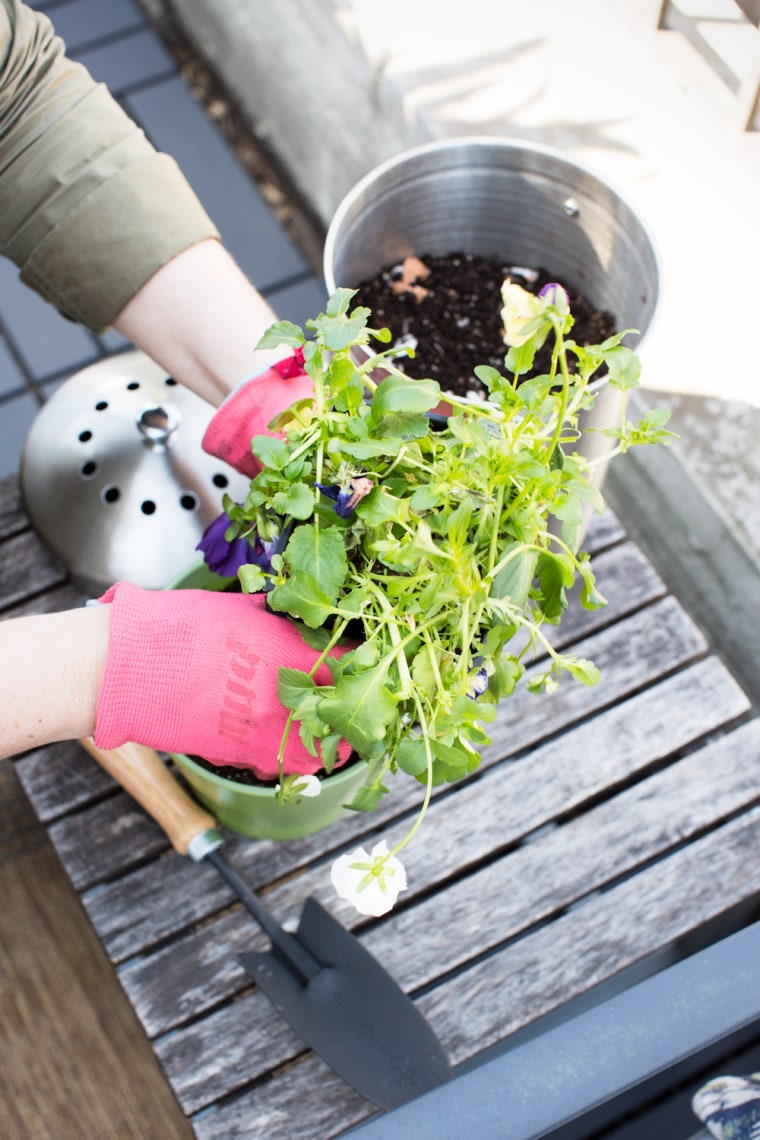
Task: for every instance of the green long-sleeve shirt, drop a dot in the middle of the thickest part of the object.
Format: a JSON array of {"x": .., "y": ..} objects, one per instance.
[{"x": 89, "y": 210}]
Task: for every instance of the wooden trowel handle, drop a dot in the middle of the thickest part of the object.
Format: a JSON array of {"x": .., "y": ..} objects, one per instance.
[{"x": 143, "y": 774}]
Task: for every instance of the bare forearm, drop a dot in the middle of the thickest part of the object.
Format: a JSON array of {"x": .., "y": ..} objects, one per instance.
[
  {"x": 50, "y": 672},
  {"x": 200, "y": 318}
]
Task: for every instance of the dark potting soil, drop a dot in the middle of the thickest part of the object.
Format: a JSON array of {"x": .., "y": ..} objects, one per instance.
[
  {"x": 239, "y": 775},
  {"x": 454, "y": 316}
]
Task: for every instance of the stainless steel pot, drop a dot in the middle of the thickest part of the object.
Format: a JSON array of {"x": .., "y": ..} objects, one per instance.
[
  {"x": 504, "y": 199},
  {"x": 113, "y": 476}
]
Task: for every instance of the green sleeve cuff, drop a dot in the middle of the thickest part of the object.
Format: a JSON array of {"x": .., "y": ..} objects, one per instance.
[{"x": 99, "y": 254}]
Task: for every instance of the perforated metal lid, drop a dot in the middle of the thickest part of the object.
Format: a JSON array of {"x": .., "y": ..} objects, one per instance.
[{"x": 114, "y": 478}]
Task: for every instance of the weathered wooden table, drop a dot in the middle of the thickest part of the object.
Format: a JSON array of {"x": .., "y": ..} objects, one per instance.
[{"x": 606, "y": 826}]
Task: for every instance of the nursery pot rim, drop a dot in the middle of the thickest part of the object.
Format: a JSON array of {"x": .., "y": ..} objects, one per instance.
[{"x": 266, "y": 791}]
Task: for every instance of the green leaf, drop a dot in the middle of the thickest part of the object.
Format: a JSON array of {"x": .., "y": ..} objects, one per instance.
[
  {"x": 368, "y": 797},
  {"x": 380, "y": 507},
  {"x": 320, "y": 553},
  {"x": 271, "y": 451},
  {"x": 284, "y": 332},
  {"x": 337, "y": 333},
  {"x": 360, "y": 707},
  {"x": 301, "y": 596},
  {"x": 555, "y": 574},
  {"x": 297, "y": 502},
  {"x": 397, "y": 394},
  {"x": 401, "y": 426},
  {"x": 520, "y": 360},
  {"x": 581, "y": 669},
  {"x": 411, "y": 756},
  {"x": 515, "y": 579},
  {"x": 624, "y": 367},
  {"x": 507, "y": 672},
  {"x": 292, "y": 686},
  {"x": 458, "y": 523},
  {"x": 339, "y": 301},
  {"x": 371, "y": 448},
  {"x": 426, "y": 498},
  {"x": 251, "y": 578}
]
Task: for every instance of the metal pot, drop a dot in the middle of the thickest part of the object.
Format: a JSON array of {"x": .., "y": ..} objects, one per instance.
[
  {"x": 505, "y": 199},
  {"x": 501, "y": 198},
  {"x": 113, "y": 476}
]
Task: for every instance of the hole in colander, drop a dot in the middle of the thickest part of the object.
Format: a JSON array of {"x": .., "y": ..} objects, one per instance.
[
  {"x": 101, "y": 405},
  {"x": 220, "y": 480},
  {"x": 188, "y": 501},
  {"x": 84, "y": 436},
  {"x": 88, "y": 469},
  {"x": 133, "y": 385},
  {"x": 148, "y": 507},
  {"x": 111, "y": 494},
  {"x": 170, "y": 381}
]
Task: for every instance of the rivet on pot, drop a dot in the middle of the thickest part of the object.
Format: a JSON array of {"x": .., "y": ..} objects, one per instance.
[{"x": 571, "y": 207}]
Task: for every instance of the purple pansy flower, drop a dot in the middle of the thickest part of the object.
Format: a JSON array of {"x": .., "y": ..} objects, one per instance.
[
  {"x": 347, "y": 495},
  {"x": 225, "y": 558},
  {"x": 556, "y": 295},
  {"x": 478, "y": 684}
]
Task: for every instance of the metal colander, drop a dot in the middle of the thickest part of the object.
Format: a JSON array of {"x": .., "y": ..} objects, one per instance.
[{"x": 113, "y": 476}]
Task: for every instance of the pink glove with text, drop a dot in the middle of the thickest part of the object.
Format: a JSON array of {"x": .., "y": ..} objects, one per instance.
[
  {"x": 196, "y": 672},
  {"x": 247, "y": 412}
]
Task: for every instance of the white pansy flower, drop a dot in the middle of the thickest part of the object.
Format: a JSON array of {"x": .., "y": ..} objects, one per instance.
[
  {"x": 371, "y": 883},
  {"x": 520, "y": 309}
]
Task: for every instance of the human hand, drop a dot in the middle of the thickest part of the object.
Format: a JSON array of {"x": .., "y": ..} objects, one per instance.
[
  {"x": 247, "y": 412},
  {"x": 194, "y": 671}
]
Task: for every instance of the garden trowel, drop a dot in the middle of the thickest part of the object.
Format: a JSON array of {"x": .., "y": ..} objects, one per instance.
[{"x": 326, "y": 985}]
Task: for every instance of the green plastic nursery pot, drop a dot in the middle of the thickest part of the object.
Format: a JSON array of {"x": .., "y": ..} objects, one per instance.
[{"x": 255, "y": 811}]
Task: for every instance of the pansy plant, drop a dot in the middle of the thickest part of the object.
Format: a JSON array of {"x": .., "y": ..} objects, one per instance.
[{"x": 440, "y": 547}]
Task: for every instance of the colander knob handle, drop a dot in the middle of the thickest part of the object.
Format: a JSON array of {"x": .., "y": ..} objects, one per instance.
[{"x": 157, "y": 423}]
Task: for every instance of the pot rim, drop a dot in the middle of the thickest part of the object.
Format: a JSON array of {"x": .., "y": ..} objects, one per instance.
[
  {"x": 345, "y": 774},
  {"x": 505, "y": 144},
  {"x": 462, "y": 142}
]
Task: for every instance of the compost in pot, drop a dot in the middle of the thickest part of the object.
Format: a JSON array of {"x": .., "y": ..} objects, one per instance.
[{"x": 448, "y": 308}]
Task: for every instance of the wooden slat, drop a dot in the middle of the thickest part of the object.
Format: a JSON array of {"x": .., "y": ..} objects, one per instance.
[
  {"x": 611, "y": 932},
  {"x": 604, "y": 530},
  {"x": 92, "y": 845},
  {"x": 26, "y": 568},
  {"x": 61, "y": 778},
  {"x": 507, "y": 804},
  {"x": 65, "y": 597},
  {"x": 306, "y": 1101},
  {"x": 12, "y": 517}
]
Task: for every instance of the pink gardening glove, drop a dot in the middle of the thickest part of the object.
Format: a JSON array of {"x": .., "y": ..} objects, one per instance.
[
  {"x": 196, "y": 672},
  {"x": 247, "y": 412}
]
